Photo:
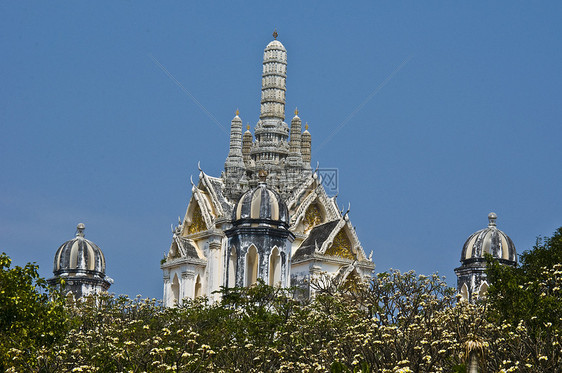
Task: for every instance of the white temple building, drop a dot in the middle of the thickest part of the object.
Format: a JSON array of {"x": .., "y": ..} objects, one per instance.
[{"x": 267, "y": 216}]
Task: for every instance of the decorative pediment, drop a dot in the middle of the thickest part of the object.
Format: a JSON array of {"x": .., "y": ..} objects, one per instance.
[
  {"x": 175, "y": 251},
  {"x": 316, "y": 196},
  {"x": 341, "y": 247},
  {"x": 214, "y": 187},
  {"x": 301, "y": 193},
  {"x": 183, "y": 247},
  {"x": 197, "y": 221},
  {"x": 312, "y": 217},
  {"x": 198, "y": 217},
  {"x": 343, "y": 242}
]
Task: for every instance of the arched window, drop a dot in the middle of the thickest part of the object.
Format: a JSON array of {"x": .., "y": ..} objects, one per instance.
[
  {"x": 483, "y": 291},
  {"x": 197, "y": 292},
  {"x": 464, "y": 292},
  {"x": 275, "y": 268},
  {"x": 232, "y": 266},
  {"x": 175, "y": 287},
  {"x": 252, "y": 259},
  {"x": 69, "y": 298}
]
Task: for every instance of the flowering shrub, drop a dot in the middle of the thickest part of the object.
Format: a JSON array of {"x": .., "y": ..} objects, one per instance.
[{"x": 398, "y": 322}]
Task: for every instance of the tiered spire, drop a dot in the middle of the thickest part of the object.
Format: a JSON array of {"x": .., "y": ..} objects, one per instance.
[
  {"x": 281, "y": 150},
  {"x": 295, "y": 141},
  {"x": 306, "y": 143},
  {"x": 247, "y": 145},
  {"x": 235, "y": 162},
  {"x": 271, "y": 146},
  {"x": 273, "y": 80}
]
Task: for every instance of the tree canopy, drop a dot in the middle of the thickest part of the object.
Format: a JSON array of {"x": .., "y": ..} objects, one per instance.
[
  {"x": 398, "y": 322},
  {"x": 531, "y": 291},
  {"x": 31, "y": 315}
]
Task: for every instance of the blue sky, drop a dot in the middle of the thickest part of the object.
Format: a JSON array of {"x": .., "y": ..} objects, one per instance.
[{"x": 464, "y": 118}]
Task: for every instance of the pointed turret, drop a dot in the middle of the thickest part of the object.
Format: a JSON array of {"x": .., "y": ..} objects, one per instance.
[
  {"x": 234, "y": 164},
  {"x": 295, "y": 157},
  {"x": 247, "y": 145},
  {"x": 306, "y": 143}
]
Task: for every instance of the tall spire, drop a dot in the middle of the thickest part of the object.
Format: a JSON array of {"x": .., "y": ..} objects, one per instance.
[
  {"x": 271, "y": 145},
  {"x": 306, "y": 142},
  {"x": 234, "y": 162},
  {"x": 246, "y": 145},
  {"x": 295, "y": 140},
  {"x": 273, "y": 80}
]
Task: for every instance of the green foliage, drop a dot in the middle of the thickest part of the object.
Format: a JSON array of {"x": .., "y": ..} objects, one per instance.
[
  {"x": 532, "y": 290},
  {"x": 398, "y": 322},
  {"x": 32, "y": 316},
  {"x": 527, "y": 303}
]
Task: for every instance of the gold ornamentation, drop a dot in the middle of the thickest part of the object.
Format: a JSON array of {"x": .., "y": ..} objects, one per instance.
[
  {"x": 296, "y": 111},
  {"x": 312, "y": 217},
  {"x": 263, "y": 175},
  {"x": 197, "y": 221},
  {"x": 275, "y": 34},
  {"x": 237, "y": 112},
  {"x": 341, "y": 247}
]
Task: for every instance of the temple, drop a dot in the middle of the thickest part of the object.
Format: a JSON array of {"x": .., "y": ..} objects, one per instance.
[{"x": 267, "y": 216}]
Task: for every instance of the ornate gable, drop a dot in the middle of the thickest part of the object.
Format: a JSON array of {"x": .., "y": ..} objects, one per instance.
[
  {"x": 197, "y": 221},
  {"x": 312, "y": 217},
  {"x": 341, "y": 247},
  {"x": 336, "y": 238},
  {"x": 311, "y": 206}
]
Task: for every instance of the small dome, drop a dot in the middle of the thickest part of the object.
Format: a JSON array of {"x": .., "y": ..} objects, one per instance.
[
  {"x": 492, "y": 241},
  {"x": 79, "y": 255},
  {"x": 263, "y": 205},
  {"x": 275, "y": 45}
]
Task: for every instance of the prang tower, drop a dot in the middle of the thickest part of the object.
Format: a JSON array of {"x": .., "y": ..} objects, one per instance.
[{"x": 268, "y": 215}]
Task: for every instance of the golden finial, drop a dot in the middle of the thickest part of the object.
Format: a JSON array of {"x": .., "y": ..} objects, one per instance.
[
  {"x": 248, "y": 126},
  {"x": 262, "y": 175},
  {"x": 237, "y": 112},
  {"x": 275, "y": 34},
  {"x": 296, "y": 111},
  {"x": 306, "y": 126}
]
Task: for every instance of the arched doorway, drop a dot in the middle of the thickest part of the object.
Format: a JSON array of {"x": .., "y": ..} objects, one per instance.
[{"x": 175, "y": 287}]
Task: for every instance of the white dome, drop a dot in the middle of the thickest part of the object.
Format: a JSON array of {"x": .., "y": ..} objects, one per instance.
[
  {"x": 275, "y": 45},
  {"x": 261, "y": 204},
  {"x": 79, "y": 255},
  {"x": 489, "y": 240}
]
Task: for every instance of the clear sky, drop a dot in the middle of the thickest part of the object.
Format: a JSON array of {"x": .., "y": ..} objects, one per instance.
[{"x": 445, "y": 112}]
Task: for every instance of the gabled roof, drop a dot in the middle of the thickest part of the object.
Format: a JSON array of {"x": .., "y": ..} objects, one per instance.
[
  {"x": 215, "y": 187},
  {"x": 315, "y": 239},
  {"x": 183, "y": 248},
  {"x": 188, "y": 248}
]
